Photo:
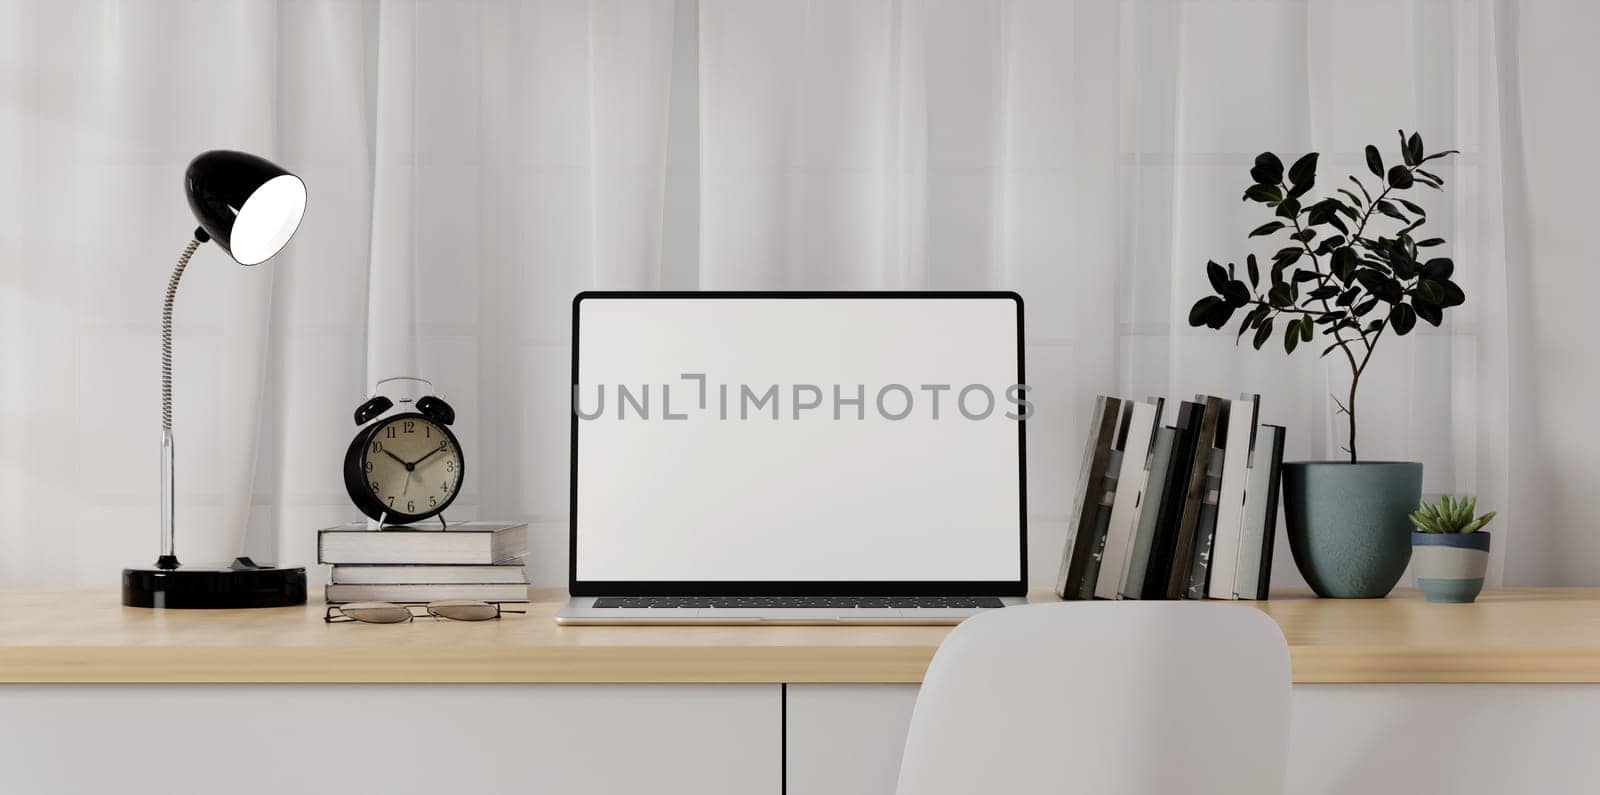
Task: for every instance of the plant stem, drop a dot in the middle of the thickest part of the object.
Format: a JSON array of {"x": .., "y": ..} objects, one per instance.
[{"x": 1355, "y": 381}]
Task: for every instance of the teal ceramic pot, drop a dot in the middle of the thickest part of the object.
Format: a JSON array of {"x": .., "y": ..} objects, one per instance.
[
  {"x": 1450, "y": 566},
  {"x": 1349, "y": 525}
]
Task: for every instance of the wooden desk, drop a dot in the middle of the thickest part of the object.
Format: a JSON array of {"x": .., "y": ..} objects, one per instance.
[
  {"x": 1504, "y": 691},
  {"x": 1509, "y": 636}
]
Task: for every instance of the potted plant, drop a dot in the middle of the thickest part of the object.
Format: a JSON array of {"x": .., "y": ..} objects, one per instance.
[
  {"x": 1451, "y": 549},
  {"x": 1353, "y": 270}
]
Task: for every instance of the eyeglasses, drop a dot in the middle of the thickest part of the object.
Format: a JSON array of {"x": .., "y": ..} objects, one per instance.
[{"x": 390, "y": 613}]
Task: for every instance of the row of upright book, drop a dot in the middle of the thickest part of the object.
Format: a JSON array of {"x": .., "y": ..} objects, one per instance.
[
  {"x": 1181, "y": 511},
  {"x": 482, "y": 561}
]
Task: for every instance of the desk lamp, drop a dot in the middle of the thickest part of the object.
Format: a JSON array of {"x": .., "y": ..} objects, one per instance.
[{"x": 250, "y": 207}]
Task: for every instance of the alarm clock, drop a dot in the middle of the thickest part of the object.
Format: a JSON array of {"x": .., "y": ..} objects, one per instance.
[{"x": 404, "y": 464}]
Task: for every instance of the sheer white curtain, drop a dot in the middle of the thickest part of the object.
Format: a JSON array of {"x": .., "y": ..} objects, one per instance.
[{"x": 472, "y": 164}]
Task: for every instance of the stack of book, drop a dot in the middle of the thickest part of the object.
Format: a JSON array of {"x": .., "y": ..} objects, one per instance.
[
  {"x": 469, "y": 560},
  {"x": 1183, "y": 511}
]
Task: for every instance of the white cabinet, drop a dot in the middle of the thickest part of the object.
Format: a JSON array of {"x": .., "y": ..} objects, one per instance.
[
  {"x": 847, "y": 739},
  {"x": 1363, "y": 738},
  {"x": 394, "y": 739},
  {"x": 663, "y": 739}
]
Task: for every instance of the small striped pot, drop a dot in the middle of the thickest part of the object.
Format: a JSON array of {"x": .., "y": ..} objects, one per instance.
[{"x": 1450, "y": 566}]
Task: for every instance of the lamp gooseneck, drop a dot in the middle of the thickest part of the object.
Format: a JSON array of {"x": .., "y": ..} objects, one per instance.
[{"x": 169, "y": 556}]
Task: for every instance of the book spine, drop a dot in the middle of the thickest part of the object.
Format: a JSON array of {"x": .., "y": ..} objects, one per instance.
[
  {"x": 1184, "y": 547},
  {"x": 1149, "y": 515},
  {"x": 1206, "y": 529},
  {"x": 1264, "y": 581},
  {"x": 1102, "y": 524},
  {"x": 1163, "y": 547},
  {"x": 1097, "y": 449}
]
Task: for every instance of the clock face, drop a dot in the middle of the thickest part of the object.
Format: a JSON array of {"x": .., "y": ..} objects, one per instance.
[{"x": 411, "y": 466}]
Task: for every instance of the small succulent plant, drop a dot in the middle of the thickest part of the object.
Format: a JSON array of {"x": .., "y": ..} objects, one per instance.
[{"x": 1450, "y": 516}]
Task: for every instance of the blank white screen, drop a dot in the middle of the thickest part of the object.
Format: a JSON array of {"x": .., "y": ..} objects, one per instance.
[{"x": 808, "y": 499}]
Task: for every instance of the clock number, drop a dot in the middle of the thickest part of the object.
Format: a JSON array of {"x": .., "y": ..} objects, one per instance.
[
  {"x": 391, "y": 502},
  {"x": 375, "y": 487},
  {"x": 411, "y": 427},
  {"x": 369, "y": 466},
  {"x": 445, "y": 487},
  {"x": 389, "y": 432},
  {"x": 450, "y": 465},
  {"x": 411, "y": 506},
  {"x": 443, "y": 445},
  {"x": 427, "y": 431},
  {"x": 377, "y": 446},
  {"x": 432, "y": 501}
]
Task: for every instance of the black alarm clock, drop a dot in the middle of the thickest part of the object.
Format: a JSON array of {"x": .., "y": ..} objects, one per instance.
[{"x": 404, "y": 465}]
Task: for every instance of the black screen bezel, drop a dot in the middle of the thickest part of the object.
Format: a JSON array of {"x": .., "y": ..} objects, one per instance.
[{"x": 1017, "y": 587}]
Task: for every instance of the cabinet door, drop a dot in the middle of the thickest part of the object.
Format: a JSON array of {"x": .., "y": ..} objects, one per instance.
[
  {"x": 424, "y": 739},
  {"x": 846, "y": 739}
]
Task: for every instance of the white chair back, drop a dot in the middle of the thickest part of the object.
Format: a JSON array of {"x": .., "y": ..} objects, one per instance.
[{"x": 1104, "y": 698}]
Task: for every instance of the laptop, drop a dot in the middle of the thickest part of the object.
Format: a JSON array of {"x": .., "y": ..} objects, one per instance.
[{"x": 796, "y": 457}]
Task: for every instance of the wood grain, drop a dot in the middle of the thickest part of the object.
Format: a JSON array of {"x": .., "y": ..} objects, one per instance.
[{"x": 1512, "y": 635}]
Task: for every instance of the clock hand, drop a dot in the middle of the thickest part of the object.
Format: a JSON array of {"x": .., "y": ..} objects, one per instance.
[
  {"x": 395, "y": 457},
  {"x": 425, "y": 455}
]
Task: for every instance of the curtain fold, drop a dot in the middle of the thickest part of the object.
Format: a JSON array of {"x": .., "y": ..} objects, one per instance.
[{"x": 473, "y": 164}]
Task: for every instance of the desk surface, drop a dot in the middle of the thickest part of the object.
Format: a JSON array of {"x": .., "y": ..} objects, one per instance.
[{"x": 1511, "y": 635}]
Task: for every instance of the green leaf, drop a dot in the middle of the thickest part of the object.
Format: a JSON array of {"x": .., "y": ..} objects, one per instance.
[
  {"x": 1400, "y": 178},
  {"x": 1306, "y": 330},
  {"x": 1405, "y": 151},
  {"x": 1281, "y": 295},
  {"x": 1218, "y": 277},
  {"x": 1385, "y": 207},
  {"x": 1429, "y": 312},
  {"x": 1324, "y": 292},
  {"x": 1415, "y": 208},
  {"x": 1354, "y": 199},
  {"x": 1438, "y": 267},
  {"x": 1219, "y": 314},
  {"x": 1268, "y": 169},
  {"x": 1305, "y": 275},
  {"x": 1360, "y": 309},
  {"x": 1304, "y": 170},
  {"x": 1266, "y": 228},
  {"x": 1263, "y": 193},
  {"x": 1437, "y": 181},
  {"x": 1403, "y": 319},
  {"x": 1201, "y": 308},
  {"x": 1288, "y": 255},
  {"x": 1344, "y": 263},
  {"x": 1430, "y": 291},
  {"x": 1255, "y": 271},
  {"x": 1291, "y": 336},
  {"x": 1235, "y": 293},
  {"x": 1289, "y": 207},
  {"x": 1414, "y": 148},
  {"x": 1437, "y": 155},
  {"x": 1348, "y": 297},
  {"x": 1364, "y": 188},
  {"x": 1374, "y": 161},
  {"x": 1263, "y": 333},
  {"x": 1453, "y": 296}
]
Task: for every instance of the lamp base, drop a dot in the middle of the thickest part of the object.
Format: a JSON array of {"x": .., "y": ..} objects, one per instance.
[{"x": 242, "y": 584}]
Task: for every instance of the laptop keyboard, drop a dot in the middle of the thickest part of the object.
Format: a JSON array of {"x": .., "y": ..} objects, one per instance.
[{"x": 764, "y": 602}]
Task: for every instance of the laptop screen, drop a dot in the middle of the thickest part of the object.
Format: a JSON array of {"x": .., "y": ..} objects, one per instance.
[{"x": 757, "y": 441}]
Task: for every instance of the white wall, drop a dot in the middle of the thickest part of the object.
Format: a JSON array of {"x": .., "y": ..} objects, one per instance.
[{"x": 1553, "y": 241}]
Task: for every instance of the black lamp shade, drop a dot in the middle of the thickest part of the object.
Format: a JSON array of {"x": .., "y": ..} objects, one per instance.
[{"x": 250, "y": 206}]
